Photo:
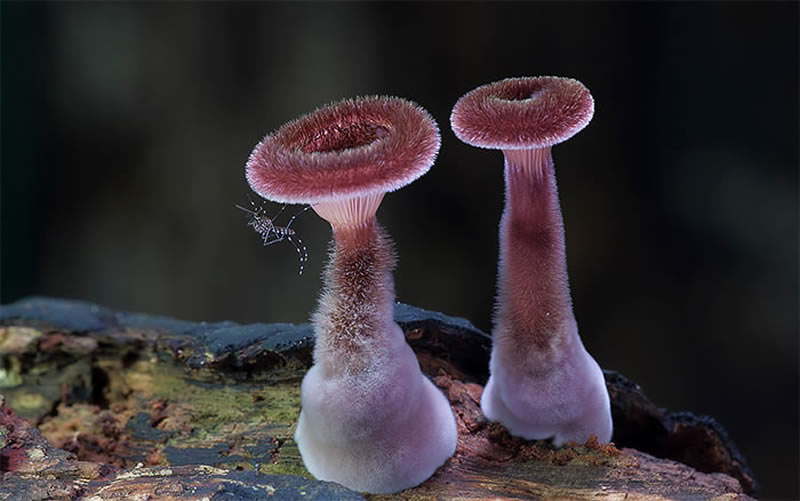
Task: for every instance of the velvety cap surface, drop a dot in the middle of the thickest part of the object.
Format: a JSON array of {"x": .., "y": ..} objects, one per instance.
[
  {"x": 351, "y": 148},
  {"x": 522, "y": 113}
]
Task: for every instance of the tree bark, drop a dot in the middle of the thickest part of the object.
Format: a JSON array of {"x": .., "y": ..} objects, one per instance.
[{"x": 103, "y": 404}]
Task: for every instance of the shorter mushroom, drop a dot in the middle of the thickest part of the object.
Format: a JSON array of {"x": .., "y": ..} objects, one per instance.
[
  {"x": 543, "y": 382},
  {"x": 371, "y": 420}
]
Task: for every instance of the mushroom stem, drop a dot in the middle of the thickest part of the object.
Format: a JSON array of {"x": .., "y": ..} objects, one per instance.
[
  {"x": 533, "y": 289},
  {"x": 367, "y": 407},
  {"x": 358, "y": 296},
  {"x": 355, "y": 316},
  {"x": 543, "y": 382}
]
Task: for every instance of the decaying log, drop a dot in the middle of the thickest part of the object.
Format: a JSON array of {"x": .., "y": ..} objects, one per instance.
[{"x": 103, "y": 404}]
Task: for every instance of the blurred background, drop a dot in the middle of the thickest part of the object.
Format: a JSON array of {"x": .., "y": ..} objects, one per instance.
[{"x": 125, "y": 129}]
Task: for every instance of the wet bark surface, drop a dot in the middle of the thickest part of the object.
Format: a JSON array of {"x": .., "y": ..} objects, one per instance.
[{"x": 103, "y": 404}]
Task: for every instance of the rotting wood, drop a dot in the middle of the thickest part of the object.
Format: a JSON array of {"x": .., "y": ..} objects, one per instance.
[{"x": 115, "y": 395}]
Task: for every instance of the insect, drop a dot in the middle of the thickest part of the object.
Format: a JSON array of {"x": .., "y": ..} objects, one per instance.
[{"x": 272, "y": 233}]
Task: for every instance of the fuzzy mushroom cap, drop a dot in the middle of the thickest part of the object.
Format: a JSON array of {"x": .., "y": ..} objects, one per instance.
[
  {"x": 522, "y": 113},
  {"x": 351, "y": 148}
]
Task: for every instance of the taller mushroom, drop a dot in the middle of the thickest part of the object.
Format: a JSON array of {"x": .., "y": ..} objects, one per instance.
[
  {"x": 543, "y": 382},
  {"x": 371, "y": 420}
]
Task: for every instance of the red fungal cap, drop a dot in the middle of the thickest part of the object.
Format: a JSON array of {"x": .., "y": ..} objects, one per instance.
[
  {"x": 355, "y": 147},
  {"x": 522, "y": 113}
]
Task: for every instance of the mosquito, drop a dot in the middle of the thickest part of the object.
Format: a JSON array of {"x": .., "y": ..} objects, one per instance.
[{"x": 272, "y": 233}]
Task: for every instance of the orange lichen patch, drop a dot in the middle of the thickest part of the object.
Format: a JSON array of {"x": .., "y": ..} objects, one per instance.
[
  {"x": 176, "y": 417},
  {"x": 169, "y": 416},
  {"x": 67, "y": 342},
  {"x": 607, "y": 448},
  {"x": 562, "y": 456},
  {"x": 610, "y": 449},
  {"x": 157, "y": 457},
  {"x": 52, "y": 340},
  {"x": 92, "y": 434}
]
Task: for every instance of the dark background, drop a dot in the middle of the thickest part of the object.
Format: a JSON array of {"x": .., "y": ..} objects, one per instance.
[{"x": 125, "y": 129}]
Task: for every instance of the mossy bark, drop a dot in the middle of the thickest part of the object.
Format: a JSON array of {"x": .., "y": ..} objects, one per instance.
[{"x": 109, "y": 404}]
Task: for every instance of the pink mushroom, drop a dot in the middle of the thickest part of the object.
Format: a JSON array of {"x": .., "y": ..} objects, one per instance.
[
  {"x": 371, "y": 420},
  {"x": 543, "y": 382}
]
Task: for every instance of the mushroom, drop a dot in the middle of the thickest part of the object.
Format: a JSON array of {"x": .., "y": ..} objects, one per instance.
[
  {"x": 543, "y": 383},
  {"x": 370, "y": 419}
]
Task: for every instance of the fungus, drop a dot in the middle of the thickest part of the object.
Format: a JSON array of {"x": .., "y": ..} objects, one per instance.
[
  {"x": 543, "y": 383},
  {"x": 370, "y": 419}
]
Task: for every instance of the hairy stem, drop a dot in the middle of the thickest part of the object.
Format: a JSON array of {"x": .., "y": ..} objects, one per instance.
[
  {"x": 534, "y": 318},
  {"x": 356, "y": 309}
]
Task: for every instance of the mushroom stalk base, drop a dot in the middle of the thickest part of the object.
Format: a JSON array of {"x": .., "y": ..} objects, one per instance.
[
  {"x": 371, "y": 420},
  {"x": 543, "y": 382}
]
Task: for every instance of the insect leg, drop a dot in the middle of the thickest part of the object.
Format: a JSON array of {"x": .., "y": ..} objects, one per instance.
[
  {"x": 274, "y": 235},
  {"x": 302, "y": 252},
  {"x": 298, "y": 213},
  {"x": 278, "y": 213}
]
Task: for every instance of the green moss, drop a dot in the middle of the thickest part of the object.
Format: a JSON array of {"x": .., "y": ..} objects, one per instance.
[
  {"x": 289, "y": 461},
  {"x": 25, "y": 403},
  {"x": 245, "y": 417},
  {"x": 10, "y": 373}
]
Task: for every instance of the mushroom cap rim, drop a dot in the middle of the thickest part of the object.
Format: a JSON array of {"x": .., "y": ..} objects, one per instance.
[
  {"x": 518, "y": 143},
  {"x": 411, "y": 121}
]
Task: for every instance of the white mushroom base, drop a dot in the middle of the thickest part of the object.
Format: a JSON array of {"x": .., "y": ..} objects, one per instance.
[
  {"x": 381, "y": 430},
  {"x": 567, "y": 402}
]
